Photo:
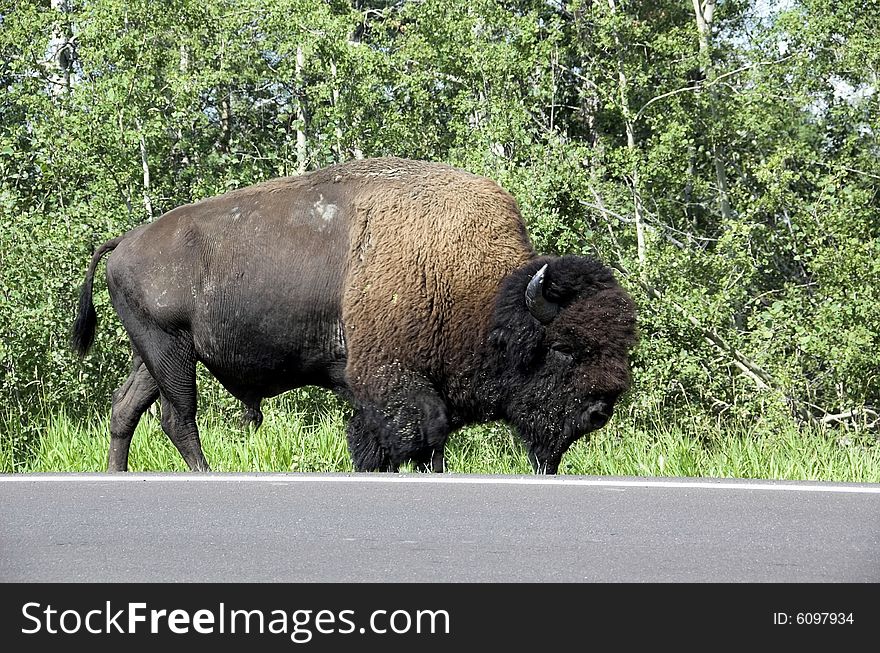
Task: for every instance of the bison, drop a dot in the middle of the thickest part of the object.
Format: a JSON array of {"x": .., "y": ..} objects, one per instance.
[{"x": 410, "y": 288}]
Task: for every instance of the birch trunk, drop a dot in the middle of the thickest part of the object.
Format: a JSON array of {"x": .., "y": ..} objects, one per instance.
[
  {"x": 631, "y": 146},
  {"x": 183, "y": 67},
  {"x": 705, "y": 14},
  {"x": 301, "y": 151},
  {"x": 225, "y": 112},
  {"x": 145, "y": 167},
  {"x": 337, "y": 131},
  {"x": 59, "y": 55}
]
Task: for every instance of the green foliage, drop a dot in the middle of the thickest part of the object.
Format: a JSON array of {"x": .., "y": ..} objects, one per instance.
[{"x": 751, "y": 159}]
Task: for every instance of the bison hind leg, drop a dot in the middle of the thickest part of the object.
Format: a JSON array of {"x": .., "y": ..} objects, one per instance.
[{"x": 130, "y": 401}]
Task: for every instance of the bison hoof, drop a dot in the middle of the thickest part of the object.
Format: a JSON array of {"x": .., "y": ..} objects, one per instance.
[{"x": 252, "y": 417}]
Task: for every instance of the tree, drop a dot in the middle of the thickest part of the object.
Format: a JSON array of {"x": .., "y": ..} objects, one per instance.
[{"x": 724, "y": 161}]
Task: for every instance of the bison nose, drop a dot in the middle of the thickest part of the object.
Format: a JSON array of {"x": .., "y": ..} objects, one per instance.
[{"x": 596, "y": 416}]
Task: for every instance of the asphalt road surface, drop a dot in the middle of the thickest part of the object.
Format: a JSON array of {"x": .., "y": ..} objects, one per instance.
[{"x": 433, "y": 528}]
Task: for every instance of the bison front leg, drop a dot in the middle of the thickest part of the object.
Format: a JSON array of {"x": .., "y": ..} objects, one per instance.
[
  {"x": 544, "y": 465},
  {"x": 365, "y": 434},
  {"x": 410, "y": 424},
  {"x": 431, "y": 460}
]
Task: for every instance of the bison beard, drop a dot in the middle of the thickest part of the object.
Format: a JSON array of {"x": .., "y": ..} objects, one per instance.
[{"x": 410, "y": 288}]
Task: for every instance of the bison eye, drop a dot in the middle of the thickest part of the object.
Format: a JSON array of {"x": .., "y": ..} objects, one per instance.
[{"x": 562, "y": 350}]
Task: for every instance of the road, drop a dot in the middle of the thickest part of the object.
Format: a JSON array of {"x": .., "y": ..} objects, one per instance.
[{"x": 433, "y": 528}]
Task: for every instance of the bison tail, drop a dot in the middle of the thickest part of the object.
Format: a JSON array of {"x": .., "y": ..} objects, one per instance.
[{"x": 83, "y": 333}]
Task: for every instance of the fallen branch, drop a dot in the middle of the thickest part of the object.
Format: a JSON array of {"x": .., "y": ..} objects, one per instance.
[{"x": 862, "y": 412}]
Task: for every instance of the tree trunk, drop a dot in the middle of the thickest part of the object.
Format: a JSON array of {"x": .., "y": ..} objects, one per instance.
[
  {"x": 301, "y": 150},
  {"x": 183, "y": 67},
  {"x": 225, "y": 111},
  {"x": 705, "y": 13},
  {"x": 633, "y": 150},
  {"x": 59, "y": 55},
  {"x": 145, "y": 166},
  {"x": 337, "y": 131}
]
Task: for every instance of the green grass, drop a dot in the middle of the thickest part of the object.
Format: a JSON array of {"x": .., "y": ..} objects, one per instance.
[
  {"x": 315, "y": 442},
  {"x": 285, "y": 442}
]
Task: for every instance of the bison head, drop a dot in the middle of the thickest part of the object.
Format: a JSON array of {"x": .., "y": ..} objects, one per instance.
[{"x": 561, "y": 334}]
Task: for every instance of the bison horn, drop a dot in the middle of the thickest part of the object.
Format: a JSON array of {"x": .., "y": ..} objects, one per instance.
[{"x": 542, "y": 308}]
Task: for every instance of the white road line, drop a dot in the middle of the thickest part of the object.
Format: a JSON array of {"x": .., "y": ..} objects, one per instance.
[{"x": 447, "y": 479}]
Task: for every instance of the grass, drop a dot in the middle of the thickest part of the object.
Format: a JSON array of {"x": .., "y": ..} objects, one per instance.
[
  {"x": 285, "y": 442},
  {"x": 315, "y": 442}
]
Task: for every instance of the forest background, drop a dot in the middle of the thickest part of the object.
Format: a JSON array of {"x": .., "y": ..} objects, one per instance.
[{"x": 721, "y": 155}]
